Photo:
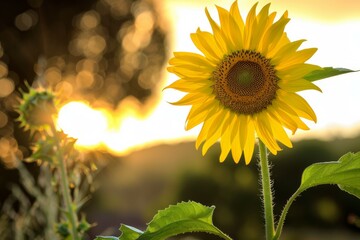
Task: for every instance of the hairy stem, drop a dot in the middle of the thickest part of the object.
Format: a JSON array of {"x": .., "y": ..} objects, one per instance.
[
  {"x": 284, "y": 213},
  {"x": 71, "y": 213},
  {"x": 266, "y": 191}
]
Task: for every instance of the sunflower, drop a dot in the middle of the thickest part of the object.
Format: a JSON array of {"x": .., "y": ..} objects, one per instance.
[{"x": 244, "y": 84}]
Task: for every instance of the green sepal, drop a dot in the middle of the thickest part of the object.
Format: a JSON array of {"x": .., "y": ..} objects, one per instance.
[
  {"x": 327, "y": 72},
  {"x": 345, "y": 173}
]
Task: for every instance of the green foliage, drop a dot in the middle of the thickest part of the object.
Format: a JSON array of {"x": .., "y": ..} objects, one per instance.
[
  {"x": 43, "y": 150},
  {"x": 63, "y": 229},
  {"x": 185, "y": 217},
  {"x": 326, "y": 72},
  {"x": 129, "y": 233},
  {"x": 345, "y": 173},
  {"x": 106, "y": 238}
]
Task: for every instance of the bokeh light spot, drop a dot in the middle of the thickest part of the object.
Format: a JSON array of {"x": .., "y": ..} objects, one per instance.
[
  {"x": 144, "y": 21},
  {"x": 53, "y": 75},
  {"x": 89, "y": 20},
  {"x": 6, "y": 87},
  {"x": 26, "y": 20},
  {"x": 96, "y": 45},
  {"x": 3, "y": 119},
  {"x": 3, "y": 70},
  {"x": 84, "y": 79},
  {"x": 64, "y": 88}
]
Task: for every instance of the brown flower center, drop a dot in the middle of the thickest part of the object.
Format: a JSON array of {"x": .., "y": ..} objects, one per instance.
[{"x": 245, "y": 82}]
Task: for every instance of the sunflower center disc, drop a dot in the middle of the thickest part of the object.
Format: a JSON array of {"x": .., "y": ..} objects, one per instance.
[
  {"x": 245, "y": 82},
  {"x": 245, "y": 78}
]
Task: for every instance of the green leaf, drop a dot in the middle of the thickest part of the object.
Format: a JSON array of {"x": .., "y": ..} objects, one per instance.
[
  {"x": 326, "y": 72},
  {"x": 106, "y": 238},
  {"x": 185, "y": 217},
  {"x": 129, "y": 233},
  {"x": 345, "y": 173}
]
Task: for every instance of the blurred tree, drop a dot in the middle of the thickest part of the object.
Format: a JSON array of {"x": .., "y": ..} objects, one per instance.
[{"x": 101, "y": 51}]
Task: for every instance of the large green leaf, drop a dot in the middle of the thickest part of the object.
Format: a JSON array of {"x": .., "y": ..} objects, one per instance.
[
  {"x": 185, "y": 217},
  {"x": 345, "y": 173},
  {"x": 326, "y": 72}
]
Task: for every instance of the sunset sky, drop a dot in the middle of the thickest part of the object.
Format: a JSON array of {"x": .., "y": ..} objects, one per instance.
[{"x": 332, "y": 26}]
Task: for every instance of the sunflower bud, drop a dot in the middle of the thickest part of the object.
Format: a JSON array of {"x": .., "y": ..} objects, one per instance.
[{"x": 36, "y": 109}]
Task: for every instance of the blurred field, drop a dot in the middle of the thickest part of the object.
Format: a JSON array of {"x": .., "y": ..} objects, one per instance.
[{"x": 132, "y": 189}]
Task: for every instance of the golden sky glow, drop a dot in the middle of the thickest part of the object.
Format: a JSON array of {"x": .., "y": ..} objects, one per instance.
[{"x": 330, "y": 25}]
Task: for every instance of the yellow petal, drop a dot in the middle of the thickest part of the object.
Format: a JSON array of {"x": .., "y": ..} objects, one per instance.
[
  {"x": 282, "y": 42},
  {"x": 206, "y": 44},
  {"x": 206, "y": 126},
  {"x": 198, "y": 113},
  {"x": 182, "y": 58},
  {"x": 195, "y": 120},
  {"x": 264, "y": 131},
  {"x": 215, "y": 131},
  {"x": 283, "y": 117},
  {"x": 236, "y": 34},
  {"x": 280, "y": 133},
  {"x": 235, "y": 13},
  {"x": 285, "y": 51},
  {"x": 296, "y": 58},
  {"x": 258, "y": 29},
  {"x": 243, "y": 129},
  {"x": 274, "y": 33},
  {"x": 250, "y": 142},
  {"x": 225, "y": 142},
  {"x": 189, "y": 86},
  {"x": 191, "y": 98},
  {"x": 219, "y": 37},
  {"x": 236, "y": 150},
  {"x": 230, "y": 29},
  {"x": 219, "y": 118},
  {"x": 289, "y": 120},
  {"x": 297, "y": 71},
  {"x": 263, "y": 45},
  {"x": 297, "y": 85},
  {"x": 299, "y": 105},
  {"x": 251, "y": 23},
  {"x": 235, "y": 127},
  {"x": 189, "y": 72}
]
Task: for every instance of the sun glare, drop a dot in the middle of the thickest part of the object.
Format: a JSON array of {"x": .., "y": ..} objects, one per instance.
[
  {"x": 82, "y": 122},
  {"x": 122, "y": 130}
]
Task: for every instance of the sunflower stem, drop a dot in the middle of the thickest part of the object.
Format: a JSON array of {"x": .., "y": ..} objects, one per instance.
[
  {"x": 266, "y": 191},
  {"x": 71, "y": 212}
]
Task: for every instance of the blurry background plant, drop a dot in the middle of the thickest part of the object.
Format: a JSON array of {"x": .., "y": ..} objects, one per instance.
[
  {"x": 100, "y": 51},
  {"x": 58, "y": 193}
]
